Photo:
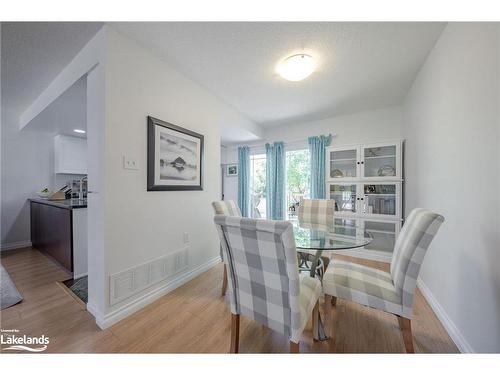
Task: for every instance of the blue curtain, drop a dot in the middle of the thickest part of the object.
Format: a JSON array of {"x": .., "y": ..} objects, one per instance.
[
  {"x": 275, "y": 181},
  {"x": 317, "y": 147},
  {"x": 244, "y": 180}
]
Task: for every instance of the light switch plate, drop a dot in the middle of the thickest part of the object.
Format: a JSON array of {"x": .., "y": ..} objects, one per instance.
[{"x": 130, "y": 163}]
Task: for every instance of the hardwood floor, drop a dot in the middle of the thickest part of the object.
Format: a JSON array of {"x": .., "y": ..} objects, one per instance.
[{"x": 194, "y": 318}]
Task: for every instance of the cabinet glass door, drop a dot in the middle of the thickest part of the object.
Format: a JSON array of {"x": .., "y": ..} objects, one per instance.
[
  {"x": 344, "y": 196},
  {"x": 384, "y": 235},
  {"x": 380, "y": 161},
  {"x": 344, "y": 163},
  {"x": 381, "y": 199},
  {"x": 345, "y": 226}
]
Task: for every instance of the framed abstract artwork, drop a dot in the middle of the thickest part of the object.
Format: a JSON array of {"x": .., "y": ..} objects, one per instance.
[{"x": 175, "y": 157}]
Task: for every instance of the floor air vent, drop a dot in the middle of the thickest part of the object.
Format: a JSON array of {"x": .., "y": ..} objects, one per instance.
[{"x": 126, "y": 283}]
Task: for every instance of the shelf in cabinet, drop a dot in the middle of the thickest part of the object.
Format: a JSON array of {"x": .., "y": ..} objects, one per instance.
[
  {"x": 380, "y": 231},
  {"x": 380, "y": 157},
  {"x": 341, "y": 160}
]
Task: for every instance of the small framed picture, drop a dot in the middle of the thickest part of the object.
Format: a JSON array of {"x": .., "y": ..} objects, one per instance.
[
  {"x": 175, "y": 157},
  {"x": 232, "y": 170}
]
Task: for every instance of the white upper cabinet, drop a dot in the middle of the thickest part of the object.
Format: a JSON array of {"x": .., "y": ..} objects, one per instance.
[
  {"x": 375, "y": 162},
  {"x": 343, "y": 163},
  {"x": 381, "y": 161},
  {"x": 70, "y": 155}
]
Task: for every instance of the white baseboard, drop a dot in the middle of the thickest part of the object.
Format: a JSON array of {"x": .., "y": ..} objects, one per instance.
[
  {"x": 94, "y": 311},
  {"x": 14, "y": 245},
  {"x": 122, "y": 312},
  {"x": 445, "y": 320}
]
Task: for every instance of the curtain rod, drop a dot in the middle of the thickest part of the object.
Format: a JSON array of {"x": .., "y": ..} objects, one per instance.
[{"x": 262, "y": 144}]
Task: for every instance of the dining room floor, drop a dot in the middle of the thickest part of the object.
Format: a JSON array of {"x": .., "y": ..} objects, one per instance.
[{"x": 194, "y": 318}]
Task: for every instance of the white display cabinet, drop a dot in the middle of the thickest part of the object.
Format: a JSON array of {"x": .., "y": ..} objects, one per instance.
[
  {"x": 365, "y": 181},
  {"x": 343, "y": 163},
  {"x": 373, "y": 162},
  {"x": 370, "y": 199},
  {"x": 346, "y": 197},
  {"x": 384, "y": 233}
]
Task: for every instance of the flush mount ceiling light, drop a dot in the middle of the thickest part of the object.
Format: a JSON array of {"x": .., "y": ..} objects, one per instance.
[
  {"x": 296, "y": 67},
  {"x": 79, "y": 131}
]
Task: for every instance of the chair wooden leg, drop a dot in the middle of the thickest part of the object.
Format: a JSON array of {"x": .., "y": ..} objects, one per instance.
[
  {"x": 315, "y": 321},
  {"x": 330, "y": 319},
  {"x": 235, "y": 333},
  {"x": 224, "y": 281},
  {"x": 328, "y": 315},
  {"x": 405, "y": 326},
  {"x": 294, "y": 347}
]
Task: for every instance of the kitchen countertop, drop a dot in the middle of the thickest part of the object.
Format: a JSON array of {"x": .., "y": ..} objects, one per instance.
[{"x": 68, "y": 204}]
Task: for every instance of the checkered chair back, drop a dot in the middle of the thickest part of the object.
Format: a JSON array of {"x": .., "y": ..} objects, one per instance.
[
  {"x": 416, "y": 235},
  {"x": 228, "y": 208},
  {"x": 263, "y": 271},
  {"x": 317, "y": 211}
]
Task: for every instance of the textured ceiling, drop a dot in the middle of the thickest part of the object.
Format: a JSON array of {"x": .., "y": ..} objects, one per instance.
[
  {"x": 33, "y": 53},
  {"x": 360, "y": 65}
]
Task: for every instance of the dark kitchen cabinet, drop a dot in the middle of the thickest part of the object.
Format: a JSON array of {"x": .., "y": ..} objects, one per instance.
[{"x": 51, "y": 232}]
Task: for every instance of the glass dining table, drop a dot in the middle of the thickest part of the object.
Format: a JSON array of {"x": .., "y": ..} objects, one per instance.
[
  {"x": 311, "y": 240},
  {"x": 316, "y": 239}
]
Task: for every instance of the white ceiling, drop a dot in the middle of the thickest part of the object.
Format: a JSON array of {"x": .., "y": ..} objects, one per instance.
[
  {"x": 33, "y": 53},
  {"x": 66, "y": 113},
  {"x": 360, "y": 65}
]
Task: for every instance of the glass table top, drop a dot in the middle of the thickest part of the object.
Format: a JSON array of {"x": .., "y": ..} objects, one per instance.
[{"x": 329, "y": 237}]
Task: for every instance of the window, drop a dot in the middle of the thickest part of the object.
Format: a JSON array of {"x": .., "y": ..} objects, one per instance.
[
  {"x": 297, "y": 179},
  {"x": 297, "y": 174},
  {"x": 258, "y": 186}
]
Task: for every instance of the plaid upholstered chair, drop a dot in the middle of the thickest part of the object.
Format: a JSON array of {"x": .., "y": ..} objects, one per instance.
[
  {"x": 388, "y": 291},
  {"x": 264, "y": 282},
  {"x": 316, "y": 211},
  {"x": 228, "y": 208}
]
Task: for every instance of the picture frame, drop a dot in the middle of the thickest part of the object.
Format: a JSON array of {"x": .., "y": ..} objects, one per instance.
[
  {"x": 232, "y": 170},
  {"x": 175, "y": 157}
]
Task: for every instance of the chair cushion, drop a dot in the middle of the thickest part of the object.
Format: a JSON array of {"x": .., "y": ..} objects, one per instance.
[
  {"x": 348, "y": 276},
  {"x": 310, "y": 291}
]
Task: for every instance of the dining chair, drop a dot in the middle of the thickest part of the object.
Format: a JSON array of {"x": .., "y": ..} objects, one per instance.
[
  {"x": 264, "y": 281},
  {"x": 392, "y": 291},
  {"x": 317, "y": 211},
  {"x": 228, "y": 208}
]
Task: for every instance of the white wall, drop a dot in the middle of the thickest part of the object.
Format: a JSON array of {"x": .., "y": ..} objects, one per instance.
[
  {"x": 141, "y": 225},
  {"x": 26, "y": 167},
  {"x": 229, "y": 155},
  {"x": 362, "y": 127},
  {"x": 451, "y": 167},
  {"x": 367, "y": 126}
]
